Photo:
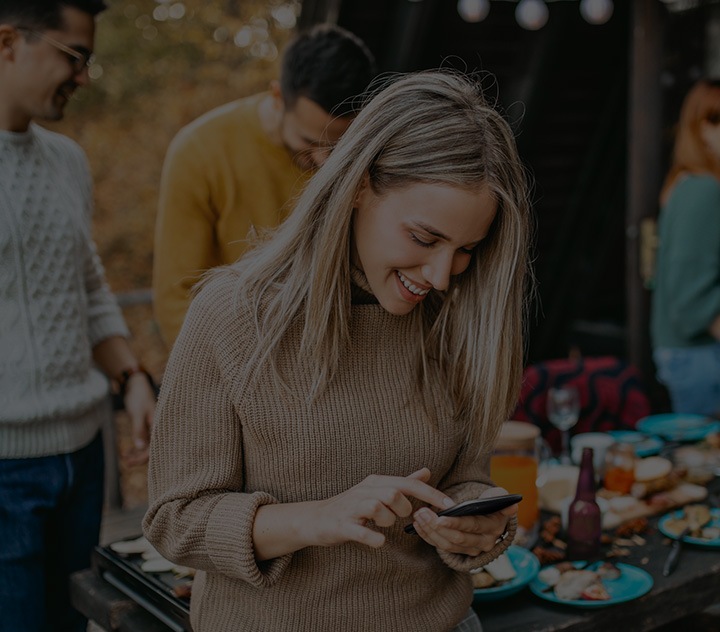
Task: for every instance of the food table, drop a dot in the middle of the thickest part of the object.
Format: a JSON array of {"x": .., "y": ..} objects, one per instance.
[{"x": 690, "y": 589}]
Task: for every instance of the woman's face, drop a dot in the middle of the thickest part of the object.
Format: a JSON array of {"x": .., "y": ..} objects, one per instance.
[
  {"x": 413, "y": 239},
  {"x": 710, "y": 132}
]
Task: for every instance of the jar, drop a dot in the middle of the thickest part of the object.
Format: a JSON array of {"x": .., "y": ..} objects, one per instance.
[
  {"x": 514, "y": 466},
  {"x": 620, "y": 460}
]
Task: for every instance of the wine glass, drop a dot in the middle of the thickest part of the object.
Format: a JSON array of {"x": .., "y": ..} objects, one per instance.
[{"x": 563, "y": 410}]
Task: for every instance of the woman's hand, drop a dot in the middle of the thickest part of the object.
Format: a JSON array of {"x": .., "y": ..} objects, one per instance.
[
  {"x": 348, "y": 517},
  {"x": 466, "y": 535},
  {"x": 377, "y": 499}
]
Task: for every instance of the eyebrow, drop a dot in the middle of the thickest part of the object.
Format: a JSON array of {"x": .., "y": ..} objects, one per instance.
[
  {"x": 433, "y": 231},
  {"x": 436, "y": 233}
]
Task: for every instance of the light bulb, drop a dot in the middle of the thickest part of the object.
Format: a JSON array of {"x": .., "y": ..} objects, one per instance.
[
  {"x": 596, "y": 11},
  {"x": 473, "y": 10},
  {"x": 531, "y": 14}
]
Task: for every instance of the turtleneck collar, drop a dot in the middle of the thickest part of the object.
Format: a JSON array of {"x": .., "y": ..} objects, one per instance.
[{"x": 361, "y": 291}]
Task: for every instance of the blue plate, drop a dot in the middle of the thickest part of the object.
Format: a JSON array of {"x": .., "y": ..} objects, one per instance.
[
  {"x": 715, "y": 522},
  {"x": 526, "y": 566},
  {"x": 632, "y": 583},
  {"x": 678, "y": 427},
  {"x": 644, "y": 445}
]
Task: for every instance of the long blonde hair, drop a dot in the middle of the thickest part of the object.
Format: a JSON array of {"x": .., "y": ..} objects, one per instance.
[
  {"x": 690, "y": 153},
  {"x": 430, "y": 127}
]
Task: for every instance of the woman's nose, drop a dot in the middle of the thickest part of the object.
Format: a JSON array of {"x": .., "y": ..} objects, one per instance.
[{"x": 438, "y": 270}]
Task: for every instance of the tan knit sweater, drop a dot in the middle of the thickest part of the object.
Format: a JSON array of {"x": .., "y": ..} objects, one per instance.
[{"x": 223, "y": 445}]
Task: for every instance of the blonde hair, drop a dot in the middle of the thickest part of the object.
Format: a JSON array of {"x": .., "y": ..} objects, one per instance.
[
  {"x": 429, "y": 127},
  {"x": 691, "y": 154}
]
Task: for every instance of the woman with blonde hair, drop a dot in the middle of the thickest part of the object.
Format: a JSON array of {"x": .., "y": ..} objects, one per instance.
[
  {"x": 350, "y": 372},
  {"x": 686, "y": 300}
]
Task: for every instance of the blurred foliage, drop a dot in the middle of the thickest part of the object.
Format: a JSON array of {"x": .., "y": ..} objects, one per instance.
[
  {"x": 159, "y": 65},
  {"x": 145, "y": 46}
]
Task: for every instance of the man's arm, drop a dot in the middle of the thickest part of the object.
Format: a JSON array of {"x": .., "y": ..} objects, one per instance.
[
  {"x": 185, "y": 234},
  {"x": 116, "y": 359}
]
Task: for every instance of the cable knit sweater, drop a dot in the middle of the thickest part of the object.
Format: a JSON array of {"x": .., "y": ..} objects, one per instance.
[
  {"x": 54, "y": 302},
  {"x": 225, "y": 442}
]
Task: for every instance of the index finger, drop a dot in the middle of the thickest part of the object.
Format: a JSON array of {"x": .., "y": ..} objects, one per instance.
[{"x": 428, "y": 494}]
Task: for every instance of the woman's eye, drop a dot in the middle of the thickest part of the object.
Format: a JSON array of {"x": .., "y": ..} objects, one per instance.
[
  {"x": 466, "y": 251},
  {"x": 420, "y": 242}
]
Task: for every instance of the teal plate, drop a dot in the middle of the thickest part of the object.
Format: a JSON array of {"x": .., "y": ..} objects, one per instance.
[
  {"x": 715, "y": 522},
  {"x": 526, "y": 566},
  {"x": 632, "y": 583},
  {"x": 644, "y": 445},
  {"x": 678, "y": 427}
]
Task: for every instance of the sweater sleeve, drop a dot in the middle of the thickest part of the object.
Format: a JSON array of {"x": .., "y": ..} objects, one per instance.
[
  {"x": 692, "y": 250},
  {"x": 466, "y": 481},
  {"x": 199, "y": 515},
  {"x": 185, "y": 232}
]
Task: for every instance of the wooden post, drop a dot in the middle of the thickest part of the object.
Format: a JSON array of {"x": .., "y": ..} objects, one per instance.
[{"x": 644, "y": 168}]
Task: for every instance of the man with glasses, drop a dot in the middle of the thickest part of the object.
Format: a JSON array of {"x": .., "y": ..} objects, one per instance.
[
  {"x": 62, "y": 336},
  {"x": 235, "y": 170}
]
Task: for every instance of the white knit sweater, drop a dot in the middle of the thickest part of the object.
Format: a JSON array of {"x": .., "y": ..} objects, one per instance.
[{"x": 54, "y": 302}]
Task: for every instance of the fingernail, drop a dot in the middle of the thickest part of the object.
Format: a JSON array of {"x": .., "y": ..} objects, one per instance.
[
  {"x": 422, "y": 516},
  {"x": 448, "y": 502}
]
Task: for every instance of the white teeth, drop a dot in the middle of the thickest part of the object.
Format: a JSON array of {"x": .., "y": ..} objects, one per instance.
[{"x": 410, "y": 286}]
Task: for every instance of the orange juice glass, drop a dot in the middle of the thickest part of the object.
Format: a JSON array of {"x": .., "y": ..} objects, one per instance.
[
  {"x": 518, "y": 474},
  {"x": 514, "y": 466}
]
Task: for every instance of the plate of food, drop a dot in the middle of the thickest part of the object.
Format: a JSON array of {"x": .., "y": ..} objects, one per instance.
[
  {"x": 702, "y": 521},
  {"x": 678, "y": 427},
  {"x": 645, "y": 445},
  {"x": 506, "y": 575},
  {"x": 597, "y": 585}
]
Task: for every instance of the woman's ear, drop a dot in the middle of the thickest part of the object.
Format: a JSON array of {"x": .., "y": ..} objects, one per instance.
[{"x": 364, "y": 190}]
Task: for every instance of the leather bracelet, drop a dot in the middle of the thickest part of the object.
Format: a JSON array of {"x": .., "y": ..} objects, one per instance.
[{"x": 128, "y": 373}]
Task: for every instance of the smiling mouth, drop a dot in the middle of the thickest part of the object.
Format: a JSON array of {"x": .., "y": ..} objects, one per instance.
[{"x": 410, "y": 286}]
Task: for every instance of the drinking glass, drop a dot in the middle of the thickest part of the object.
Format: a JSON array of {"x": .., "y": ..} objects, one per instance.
[{"x": 563, "y": 410}]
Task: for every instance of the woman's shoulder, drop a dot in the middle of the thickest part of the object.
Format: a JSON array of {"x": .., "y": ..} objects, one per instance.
[
  {"x": 218, "y": 305},
  {"x": 699, "y": 185}
]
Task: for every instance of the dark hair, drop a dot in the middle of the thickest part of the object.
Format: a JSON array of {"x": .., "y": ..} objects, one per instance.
[
  {"x": 44, "y": 14},
  {"x": 327, "y": 65}
]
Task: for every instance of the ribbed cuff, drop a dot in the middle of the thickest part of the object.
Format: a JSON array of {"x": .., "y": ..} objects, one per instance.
[{"x": 230, "y": 544}]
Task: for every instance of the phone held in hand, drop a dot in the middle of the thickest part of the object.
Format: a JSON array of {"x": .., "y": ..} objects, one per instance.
[{"x": 477, "y": 507}]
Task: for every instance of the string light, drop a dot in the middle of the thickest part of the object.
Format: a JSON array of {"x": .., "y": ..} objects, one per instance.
[
  {"x": 534, "y": 14},
  {"x": 596, "y": 11},
  {"x": 473, "y": 10},
  {"x": 531, "y": 14}
]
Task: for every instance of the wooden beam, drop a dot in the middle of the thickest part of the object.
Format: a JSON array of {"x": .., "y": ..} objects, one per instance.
[{"x": 644, "y": 167}]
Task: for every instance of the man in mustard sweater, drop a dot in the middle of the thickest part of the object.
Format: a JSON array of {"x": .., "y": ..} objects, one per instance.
[{"x": 235, "y": 170}]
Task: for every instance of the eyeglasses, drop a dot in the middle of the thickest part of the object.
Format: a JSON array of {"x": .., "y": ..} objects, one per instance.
[{"x": 79, "y": 59}]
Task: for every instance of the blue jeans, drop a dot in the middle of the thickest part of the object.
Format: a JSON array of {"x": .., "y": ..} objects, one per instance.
[
  {"x": 50, "y": 511},
  {"x": 692, "y": 377}
]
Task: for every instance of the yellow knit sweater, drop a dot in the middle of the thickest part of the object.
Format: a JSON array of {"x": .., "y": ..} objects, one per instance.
[
  {"x": 225, "y": 442},
  {"x": 222, "y": 179}
]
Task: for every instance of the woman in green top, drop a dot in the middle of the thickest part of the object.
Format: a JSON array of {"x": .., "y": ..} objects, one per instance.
[{"x": 686, "y": 301}]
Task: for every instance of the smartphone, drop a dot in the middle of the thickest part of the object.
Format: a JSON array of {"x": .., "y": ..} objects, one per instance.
[{"x": 477, "y": 507}]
